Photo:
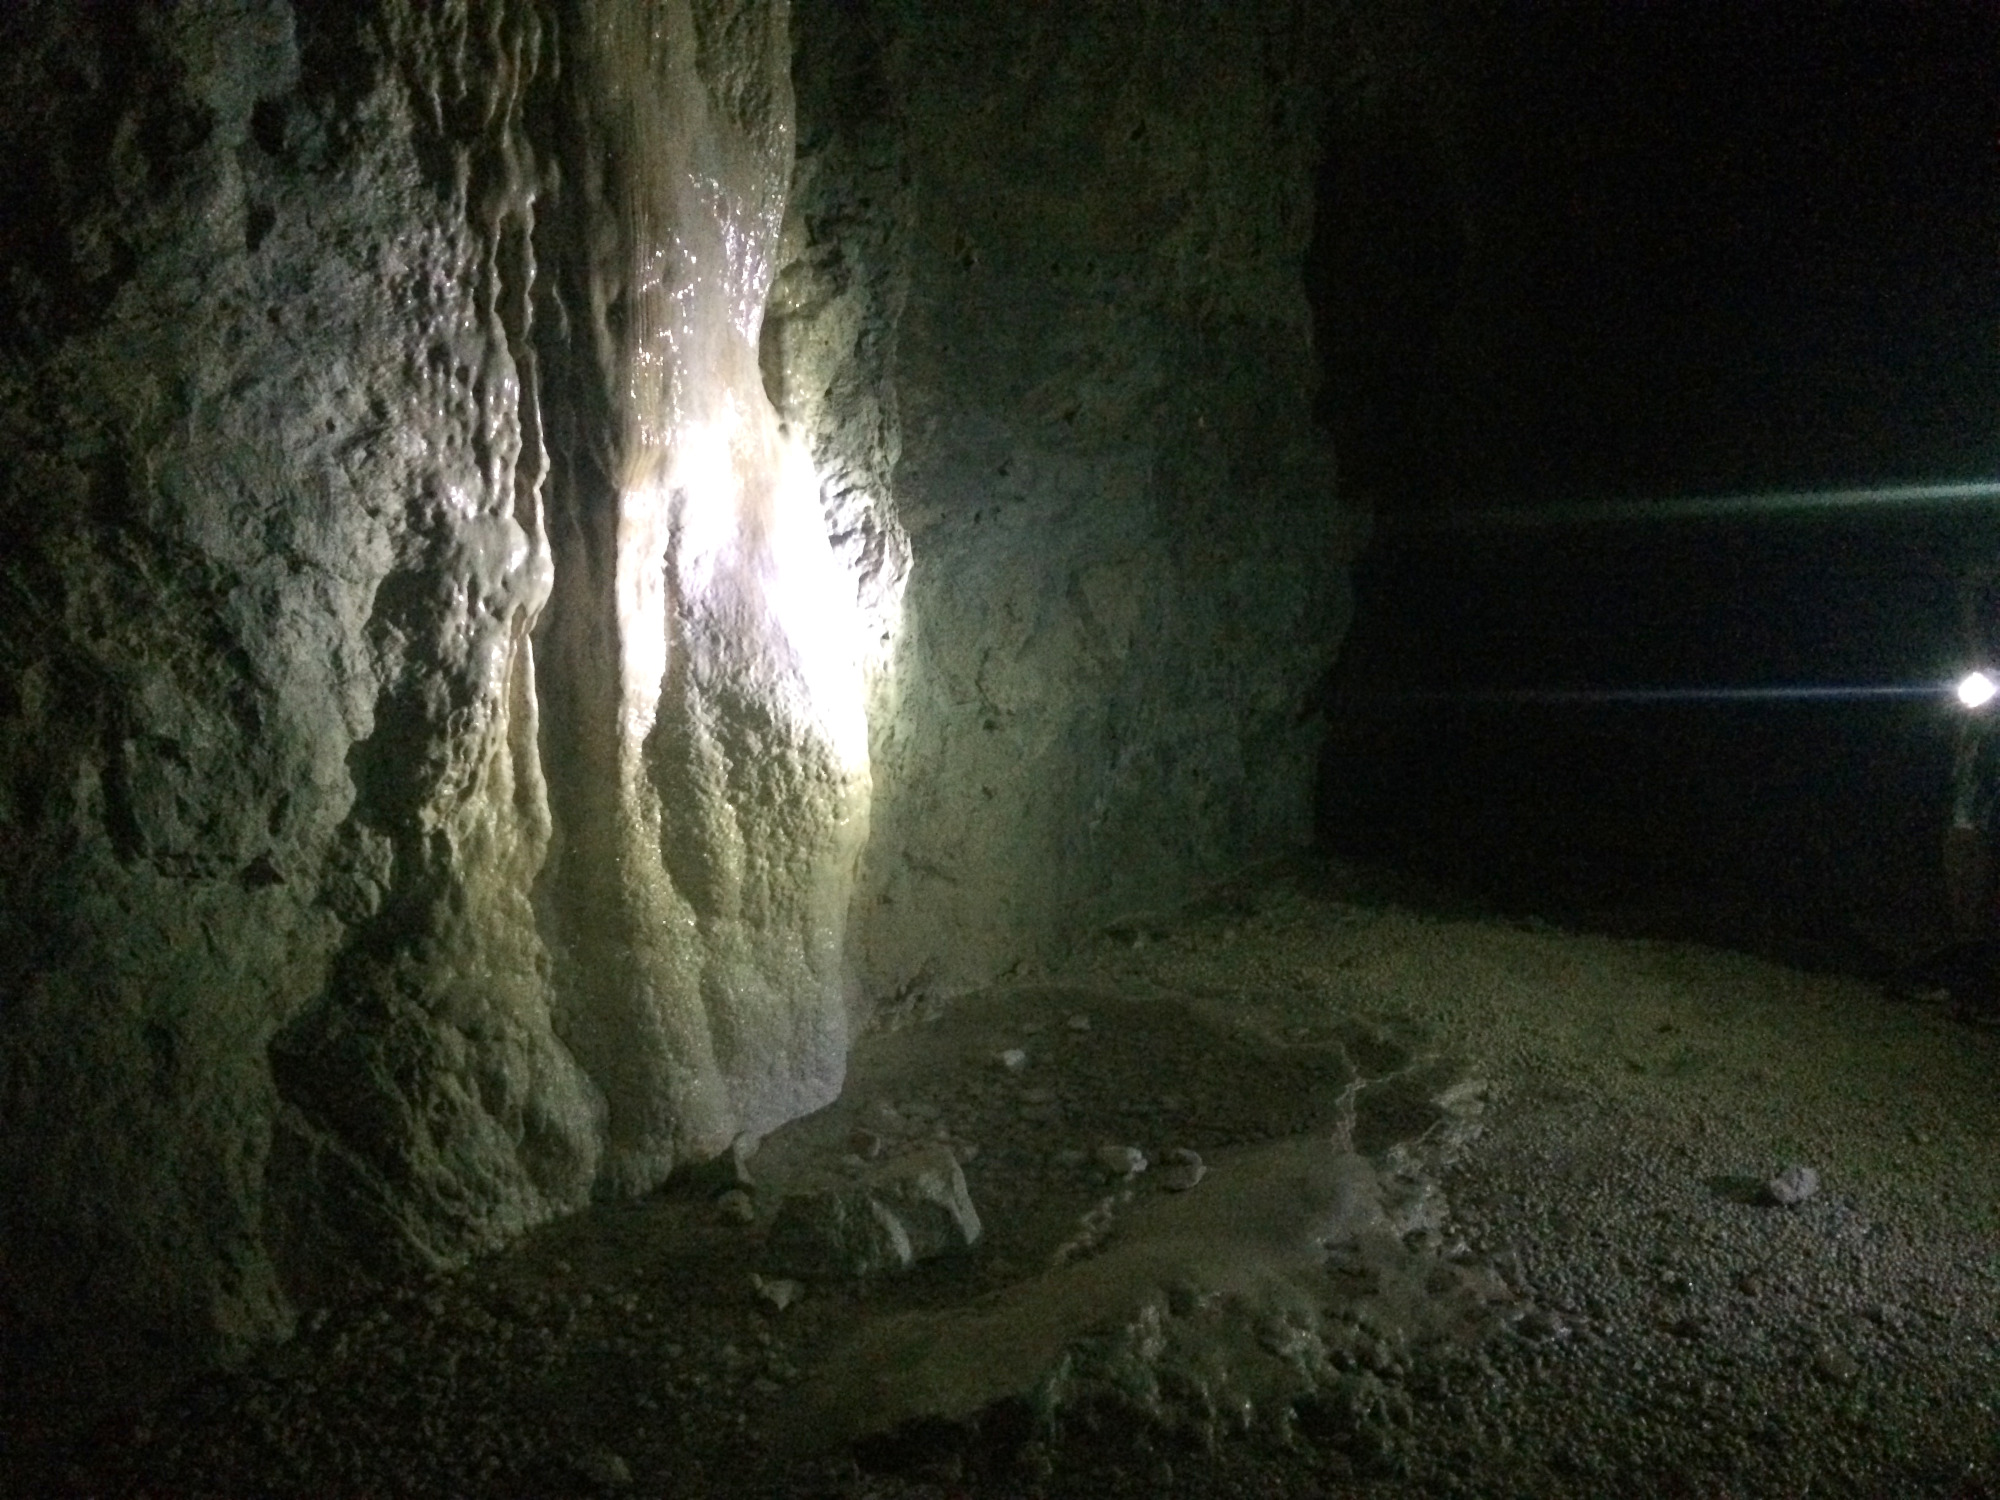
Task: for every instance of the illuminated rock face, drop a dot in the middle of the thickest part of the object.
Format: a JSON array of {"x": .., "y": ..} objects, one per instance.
[
  {"x": 709, "y": 761},
  {"x": 276, "y": 999},
  {"x": 463, "y": 747}
]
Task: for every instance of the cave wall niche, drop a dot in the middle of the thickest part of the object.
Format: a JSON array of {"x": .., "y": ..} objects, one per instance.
[{"x": 559, "y": 556}]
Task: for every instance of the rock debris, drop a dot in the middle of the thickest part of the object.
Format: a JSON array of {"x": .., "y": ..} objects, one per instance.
[{"x": 1410, "y": 1227}]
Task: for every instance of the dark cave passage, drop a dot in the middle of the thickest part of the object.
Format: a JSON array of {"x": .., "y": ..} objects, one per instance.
[
  {"x": 1804, "y": 825},
  {"x": 1714, "y": 251}
]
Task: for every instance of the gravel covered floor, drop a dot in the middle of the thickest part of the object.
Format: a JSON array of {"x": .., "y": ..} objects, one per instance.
[{"x": 1653, "y": 1325}]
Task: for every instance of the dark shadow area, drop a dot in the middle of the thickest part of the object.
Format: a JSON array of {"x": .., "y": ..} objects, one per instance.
[
  {"x": 1482, "y": 737},
  {"x": 1387, "y": 254},
  {"x": 1705, "y": 250}
]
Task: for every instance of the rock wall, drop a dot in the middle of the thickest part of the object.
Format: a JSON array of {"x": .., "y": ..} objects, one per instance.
[
  {"x": 1044, "y": 295},
  {"x": 462, "y": 746},
  {"x": 276, "y": 1001}
]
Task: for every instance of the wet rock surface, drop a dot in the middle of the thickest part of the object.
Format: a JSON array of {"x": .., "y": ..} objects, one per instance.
[{"x": 1449, "y": 1242}]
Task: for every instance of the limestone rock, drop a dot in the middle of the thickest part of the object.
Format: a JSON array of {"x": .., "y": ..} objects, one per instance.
[
  {"x": 488, "y": 701},
  {"x": 904, "y": 1210},
  {"x": 1121, "y": 1161},
  {"x": 778, "y": 1292},
  {"x": 1034, "y": 354},
  {"x": 926, "y": 1189},
  {"x": 1791, "y": 1187},
  {"x": 837, "y": 1233}
]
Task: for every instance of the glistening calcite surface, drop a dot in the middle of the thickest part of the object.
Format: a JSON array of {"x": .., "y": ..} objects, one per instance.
[
  {"x": 532, "y": 602},
  {"x": 709, "y": 757}
]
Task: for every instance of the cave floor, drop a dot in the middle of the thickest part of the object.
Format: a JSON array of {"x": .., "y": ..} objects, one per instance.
[{"x": 1569, "y": 1136}]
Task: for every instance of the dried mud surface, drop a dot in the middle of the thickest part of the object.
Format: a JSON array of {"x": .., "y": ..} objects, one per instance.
[{"x": 1641, "y": 1319}]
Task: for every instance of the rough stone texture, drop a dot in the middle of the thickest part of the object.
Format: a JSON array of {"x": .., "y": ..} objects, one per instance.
[
  {"x": 706, "y": 749},
  {"x": 274, "y": 995},
  {"x": 1665, "y": 1333},
  {"x": 294, "y": 987},
  {"x": 1068, "y": 243},
  {"x": 1209, "y": 1313},
  {"x": 433, "y": 773},
  {"x": 909, "y": 1209}
]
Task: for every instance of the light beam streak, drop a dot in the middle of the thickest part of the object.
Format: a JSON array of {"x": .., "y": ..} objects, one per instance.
[
  {"x": 1796, "y": 693},
  {"x": 1703, "y": 508}
]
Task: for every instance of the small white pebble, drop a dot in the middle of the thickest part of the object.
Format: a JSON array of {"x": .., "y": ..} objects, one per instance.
[
  {"x": 1792, "y": 1186},
  {"x": 780, "y": 1291},
  {"x": 1121, "y": 1161}
]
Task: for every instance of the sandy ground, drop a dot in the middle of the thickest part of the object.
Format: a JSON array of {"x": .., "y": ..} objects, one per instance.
[{"x": 1596, "y": 1295}]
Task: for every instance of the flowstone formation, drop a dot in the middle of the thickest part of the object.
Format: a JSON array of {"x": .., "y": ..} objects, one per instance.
[
  {"x": 540, "y": 595},
  {"x": 709, "y": 761},
  {"x": 1271, "y": 1297},
  {"x": 432, "y": 797}
]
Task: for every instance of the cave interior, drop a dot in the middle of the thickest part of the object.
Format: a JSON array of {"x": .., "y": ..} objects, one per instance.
[{"x": 1062, "y": 674}]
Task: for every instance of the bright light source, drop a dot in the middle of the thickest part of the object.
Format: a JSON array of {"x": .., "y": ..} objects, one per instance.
[{"x": 1976, "y": 689}]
